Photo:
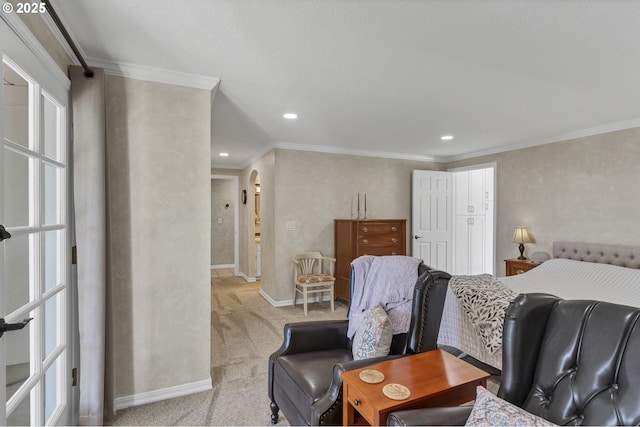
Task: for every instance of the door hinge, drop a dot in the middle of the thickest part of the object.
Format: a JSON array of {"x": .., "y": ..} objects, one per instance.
[
  {"x": 74, "y": 377},
  {"x": 74, "y": 255}
]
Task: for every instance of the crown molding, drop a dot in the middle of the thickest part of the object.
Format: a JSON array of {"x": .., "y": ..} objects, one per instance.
[
  {"x": 158, "y": 75},
  {"x": 560, "y": 137},
  {"x": 22, "y": 31},
  {"x": 60, "y": 38},
  {"x": 351, "y": 152}
]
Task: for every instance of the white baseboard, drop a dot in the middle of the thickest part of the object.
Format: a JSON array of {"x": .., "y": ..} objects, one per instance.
[
  {"x": 162, "y": 394},
  {"x": 273, "y": 302},
  {"x": 246, "y": 278},
  {"x": 220, "y": 266}
]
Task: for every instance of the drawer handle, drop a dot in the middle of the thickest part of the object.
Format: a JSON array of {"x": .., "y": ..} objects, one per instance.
[
  {"x": 365, "y": 242},
  {"x": 520, "y": 271},
  {"x": 393, "y": 253},
  {"x": 365, "y": 229},
  {"x": 394, "y": 228},
  {"x": 356, "y": 402},
  {"x": 394, "y": 240}
]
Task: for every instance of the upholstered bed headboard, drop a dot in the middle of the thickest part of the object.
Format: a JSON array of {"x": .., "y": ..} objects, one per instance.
[{"x": 622, "y": 256}]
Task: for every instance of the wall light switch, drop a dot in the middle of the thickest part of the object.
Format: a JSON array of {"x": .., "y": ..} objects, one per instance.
[
  {"x": 219, "y": 220},
  {"x": 291, "y": 225}
]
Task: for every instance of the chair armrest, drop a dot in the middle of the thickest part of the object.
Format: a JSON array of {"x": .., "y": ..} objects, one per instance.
[
  {"x": 452, "y": 416},
  {"x": 303, "y": 337},
  {"x": 525, "y": 323}
]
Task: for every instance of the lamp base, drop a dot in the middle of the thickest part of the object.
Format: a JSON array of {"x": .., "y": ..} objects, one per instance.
[{"x": 521, "y": 247}]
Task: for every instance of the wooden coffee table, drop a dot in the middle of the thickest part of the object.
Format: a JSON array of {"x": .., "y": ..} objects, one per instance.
[{"x": 434, "y": 378}]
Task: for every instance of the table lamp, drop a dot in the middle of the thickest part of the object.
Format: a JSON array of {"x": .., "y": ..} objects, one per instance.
[{"x": 522, "y": 236}]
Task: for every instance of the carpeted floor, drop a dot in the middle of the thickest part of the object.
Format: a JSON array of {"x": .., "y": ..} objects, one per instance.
[{"x": 245, "y": 330}]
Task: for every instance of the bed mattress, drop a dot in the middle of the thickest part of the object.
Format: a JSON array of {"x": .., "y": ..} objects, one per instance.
[{"x": 565, "y": 278}]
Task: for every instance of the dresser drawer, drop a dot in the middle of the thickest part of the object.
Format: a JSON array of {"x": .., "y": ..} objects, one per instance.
[
  {"x": 380, "y": 250},
  {"x": 373, "y": 228},
  {"x": 377, "y": 241}
]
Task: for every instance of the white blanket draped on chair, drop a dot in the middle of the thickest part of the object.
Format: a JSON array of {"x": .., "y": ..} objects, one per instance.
[{"x": 385, "y": 280}]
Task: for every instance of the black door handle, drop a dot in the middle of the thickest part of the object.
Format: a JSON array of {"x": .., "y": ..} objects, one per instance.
[
  {"x": 6, "y": 327},
  {"x": 4, "y": 234}
]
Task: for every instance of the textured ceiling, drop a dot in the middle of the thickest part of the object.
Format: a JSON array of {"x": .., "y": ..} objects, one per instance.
[{"x": 384, "y": 77}]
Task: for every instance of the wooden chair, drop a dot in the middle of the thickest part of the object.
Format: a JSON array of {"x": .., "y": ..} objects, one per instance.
[{"x": 309, "y": 277}]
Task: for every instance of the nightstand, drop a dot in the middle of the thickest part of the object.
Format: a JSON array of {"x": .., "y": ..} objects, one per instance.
[{"x": 518, "y": 266}]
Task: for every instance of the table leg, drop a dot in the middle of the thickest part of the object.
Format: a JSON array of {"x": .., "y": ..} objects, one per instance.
[{"x": 348, "y": 411}]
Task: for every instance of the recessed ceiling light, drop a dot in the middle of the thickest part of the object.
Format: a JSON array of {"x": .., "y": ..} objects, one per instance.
[
  {"x": 446, "y": 137},
  {"x": 224, "y": 154},
  {"x": 290, "y": 116}
]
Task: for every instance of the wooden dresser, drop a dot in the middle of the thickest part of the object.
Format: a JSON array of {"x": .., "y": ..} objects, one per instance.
[{"x": 354, "y": 238}]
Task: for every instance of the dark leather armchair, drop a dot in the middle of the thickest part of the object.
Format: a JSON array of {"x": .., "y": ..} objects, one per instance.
[
  {"x": 570, "y": 362},
  {"x": 304, "y": 373}
]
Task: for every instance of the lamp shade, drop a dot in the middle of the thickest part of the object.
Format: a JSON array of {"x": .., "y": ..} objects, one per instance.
[{"x": 521, "y": 235}]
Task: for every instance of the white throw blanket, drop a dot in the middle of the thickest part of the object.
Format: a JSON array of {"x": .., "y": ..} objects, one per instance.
[
  {"x": 485, "y": 300},
  {"x": 384, "y": 280}
]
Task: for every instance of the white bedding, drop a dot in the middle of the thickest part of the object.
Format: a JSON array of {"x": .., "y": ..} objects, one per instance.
[{"x": 565, "y": 278}]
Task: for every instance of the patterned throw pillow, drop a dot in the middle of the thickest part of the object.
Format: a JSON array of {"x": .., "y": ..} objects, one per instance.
[
  {"x": 373, "y": 336},
  {"x": 490, "y": 410}
]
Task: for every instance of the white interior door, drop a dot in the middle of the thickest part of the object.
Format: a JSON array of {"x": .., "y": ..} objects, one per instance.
[
  {"x": 34, "y": 261},
  {"x": 432, "y": 218}
]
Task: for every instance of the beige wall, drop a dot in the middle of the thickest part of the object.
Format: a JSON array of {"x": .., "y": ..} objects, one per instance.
[
  {"x": 223, "y": 233},
  {"x": 584, "y": 189},
  {"x": 158, "y": 139},
  {"x": 313, "y": 189},
  {"x": 264, "y": 168}
]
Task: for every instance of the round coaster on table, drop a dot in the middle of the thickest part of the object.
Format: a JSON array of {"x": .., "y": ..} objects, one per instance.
[
  {"x": 371, "y": 376},
  {"x": 396, "y": 391}
]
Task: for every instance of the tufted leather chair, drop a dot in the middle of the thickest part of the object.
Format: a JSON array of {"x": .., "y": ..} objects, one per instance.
[
  {"x": 304, "y": 373},
  {"x": 570, "y": 362}
]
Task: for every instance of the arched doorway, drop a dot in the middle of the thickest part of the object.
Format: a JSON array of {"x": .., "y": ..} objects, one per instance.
[{"x": 253, "y": 222}]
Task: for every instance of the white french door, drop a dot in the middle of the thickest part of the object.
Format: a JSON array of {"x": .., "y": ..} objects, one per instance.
[{"x": 34, "y": 260}]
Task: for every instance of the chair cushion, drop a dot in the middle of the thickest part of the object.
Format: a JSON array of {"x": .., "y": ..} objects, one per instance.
[
  {"x": 315, "y": 278},
  {"x": 373, "y": 336},
  {"x": 307, "y": 376},
  {"x": 490, "y": 410}
]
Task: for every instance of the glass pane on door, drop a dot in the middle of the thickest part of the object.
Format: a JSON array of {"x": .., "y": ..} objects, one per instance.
[
  {"x": 22, "y": 414},
  {"x": 18, "y": 356},
  {"x": 50, "y": 129},
  {"x": 16, "y": 169},
  {"x": 51, "y": 200},
  {"x": 15, "y": 107},
  {"x": 51, "y": 325},
  {"x": 16, "y": 274},
  {"x": 51, "y": 394},
  {"x": 51, "y": 259}
]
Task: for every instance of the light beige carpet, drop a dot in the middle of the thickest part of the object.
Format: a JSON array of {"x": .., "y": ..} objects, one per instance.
[{"x": 245, "y": 330}]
